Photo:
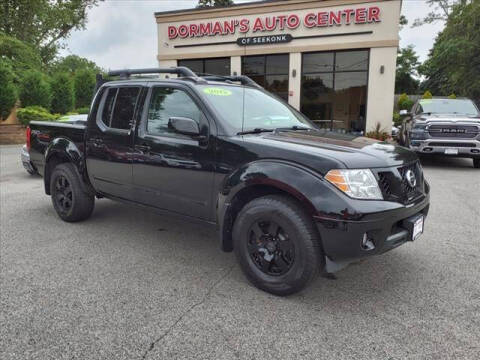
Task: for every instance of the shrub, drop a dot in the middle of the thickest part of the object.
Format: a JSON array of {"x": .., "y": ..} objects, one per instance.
[
  {"x": 397, "y": 119},
  {"x": 8, "y": 91},
  {"x": 404, "y": 102},
  {"x": 83, "y": 110},
  {"x": 452, "y": 96},
  {"x": 84, "y": 87},
  {"x": 62, "y": 93},
  {"x": 427, "y": 95},
  {"x": 378, "y": 133},
  {"x": 35, "y": 90},
  {"x": 34, "y": 113}
]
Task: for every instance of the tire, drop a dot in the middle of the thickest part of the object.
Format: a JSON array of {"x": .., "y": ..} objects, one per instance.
[
  {"x": 71, "y": 202},
  {"x": 277, "y": 245},
  {"x": 476, "y": 163}
]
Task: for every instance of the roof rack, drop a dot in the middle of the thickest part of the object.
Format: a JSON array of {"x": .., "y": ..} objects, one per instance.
[
  {"x": 180, "y": 70},
  {"x": 242, "y": 79}
]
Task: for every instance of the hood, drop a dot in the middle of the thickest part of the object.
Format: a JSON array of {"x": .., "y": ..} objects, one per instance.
[
  {"x": 454, "y": 118},
  {"x": 353, "y": 152}
]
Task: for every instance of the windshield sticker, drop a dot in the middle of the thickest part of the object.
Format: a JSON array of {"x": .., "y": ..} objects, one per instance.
[{"x": 217, "y": 91}]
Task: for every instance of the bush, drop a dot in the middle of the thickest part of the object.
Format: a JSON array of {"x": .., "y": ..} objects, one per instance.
[
  {"x": 34, "y": 113},
  {"x": 84, "y": 87},
  {"x": 62, "y": 93},
  {"x": 397, "y": 119},
  {"x": 404, "y": 102},
  {"x": 35, "y": 90},
  {"x": 83, "y": 110},
  {"x": 452, "y": 96},
  {"x": 378, "y": 133},
  {"x": 427, "y": 95},
  {"x": 8, "y": 91}
]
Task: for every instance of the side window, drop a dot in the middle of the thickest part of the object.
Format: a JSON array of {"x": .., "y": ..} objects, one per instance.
[
  {"x": 166, "y": 103},
  {"x": 119, "y": 107}
]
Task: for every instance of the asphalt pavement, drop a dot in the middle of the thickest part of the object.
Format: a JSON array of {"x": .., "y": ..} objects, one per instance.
[{"x": 128, "y": 284}]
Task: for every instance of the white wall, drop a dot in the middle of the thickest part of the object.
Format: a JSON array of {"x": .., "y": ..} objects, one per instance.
[
  {"x": 294, "y": 83},
  {"x": 381, "y": 88}
]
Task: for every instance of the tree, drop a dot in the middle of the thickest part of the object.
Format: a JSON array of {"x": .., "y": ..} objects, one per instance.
[
  {"x": 407, "y": 65},
  {"x": 35, "y": 90},
  {"x": 209, "y": 3},
  {"x": 8, "y": 92},
  {"x": 62, "y": 93},
  {"x": 453, "y": 65},
  {"x": 84, "y": 83},
  {"x": 18, "y": 56},
  {"x": 441, "y": 11},
  {"x": 43, "y": 23},
  {"x": 74, "y": 63}
]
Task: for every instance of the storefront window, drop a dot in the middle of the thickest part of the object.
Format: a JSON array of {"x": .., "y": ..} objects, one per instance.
[
  {"x": 269, "y": 71},
  {"x": 214, "y": 66},
  {"x": 334, "y": 89}
]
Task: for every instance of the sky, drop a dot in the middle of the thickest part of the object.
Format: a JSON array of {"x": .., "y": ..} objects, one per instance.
[{"x": 123, "y": 34}]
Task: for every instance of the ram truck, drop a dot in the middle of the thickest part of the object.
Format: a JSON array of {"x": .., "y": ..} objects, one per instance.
[
  {"x": 449, "y": 127},
  {"x": 287, "y": 198}
]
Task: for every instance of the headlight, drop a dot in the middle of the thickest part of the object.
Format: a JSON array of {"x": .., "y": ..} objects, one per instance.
[{"x": 358, "y": 184}]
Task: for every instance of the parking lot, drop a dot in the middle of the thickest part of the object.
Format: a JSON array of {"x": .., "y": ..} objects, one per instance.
[{"x": 128, "y": 284}]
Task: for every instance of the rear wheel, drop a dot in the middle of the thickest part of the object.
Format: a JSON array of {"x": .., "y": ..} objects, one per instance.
[
  {"x": 277, "y": 245},
  {"x": 71, "y": 202},
  {"x": 476, "y": 163}
]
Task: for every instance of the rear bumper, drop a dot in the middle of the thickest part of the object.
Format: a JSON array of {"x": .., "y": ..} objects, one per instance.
[
  {"x": 25, "y": 158},
  {"x": 465, "y": 147},
  {"x": 342, "y": 240}
]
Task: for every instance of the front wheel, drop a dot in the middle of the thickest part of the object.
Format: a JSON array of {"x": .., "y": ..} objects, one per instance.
[
  {"x": 277, "y": 245},
  {"x": 476, "y": 163},
  {"x": 69, "y": 198}
]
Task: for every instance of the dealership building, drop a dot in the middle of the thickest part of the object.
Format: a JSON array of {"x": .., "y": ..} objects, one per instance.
[{"x": 334, "y": 60}]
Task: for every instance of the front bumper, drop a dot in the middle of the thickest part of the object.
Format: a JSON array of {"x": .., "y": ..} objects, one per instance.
[
  {"x": 342, "y": 240},
  {"x": 465, "y": 147}
]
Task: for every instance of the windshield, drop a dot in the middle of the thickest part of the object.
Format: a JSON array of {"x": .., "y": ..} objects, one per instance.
[
  {"x": 447, "y": 106},
  {"x": 261, "y": 111}
]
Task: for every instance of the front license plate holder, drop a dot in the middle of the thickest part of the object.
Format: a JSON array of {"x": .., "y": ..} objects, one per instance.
[
  {"x": 450, "y": 151},
  {"x": 414, "y": 225}
]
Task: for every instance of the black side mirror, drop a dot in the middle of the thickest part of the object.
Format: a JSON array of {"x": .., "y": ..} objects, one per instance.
[{"x": 184, "y": 126}]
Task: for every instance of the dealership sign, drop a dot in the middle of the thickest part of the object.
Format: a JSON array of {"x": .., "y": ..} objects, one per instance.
[
  {"x": 364, "y": 15},
  {"x": 264, "y": 40}
]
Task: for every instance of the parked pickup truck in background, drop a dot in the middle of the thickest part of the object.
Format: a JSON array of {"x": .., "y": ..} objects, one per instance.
[
  {"x": 443, "y": 126},
  {"x": 288, "y": 198}
]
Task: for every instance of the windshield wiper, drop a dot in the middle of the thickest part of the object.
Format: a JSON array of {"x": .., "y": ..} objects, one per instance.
[
  {"x": 294, "y": 128},
  {"x": 254, "y": 131}
]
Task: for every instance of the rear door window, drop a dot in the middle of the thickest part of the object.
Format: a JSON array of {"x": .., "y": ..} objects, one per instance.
[{"x": 119, "y": 107}]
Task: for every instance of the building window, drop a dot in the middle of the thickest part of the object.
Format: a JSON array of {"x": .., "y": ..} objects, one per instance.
[
  {"x": 214, "y": 66},
  {"x": 334, "y": 89},
  {"x": 269, "y": 71}
]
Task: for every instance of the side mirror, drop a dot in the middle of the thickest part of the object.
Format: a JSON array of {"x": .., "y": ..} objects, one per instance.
[
  {"x": 184, "y": 126},
  {"x": 404, "y": 112}
]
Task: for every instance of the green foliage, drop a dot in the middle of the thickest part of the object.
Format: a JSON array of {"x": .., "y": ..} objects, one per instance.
[
  {"x": 441, "y": 11},
  {"x": 72, "y": 64},
  {"x": 452, "y": 96},
  {"x": 407, "y": 65},
  {"x": 43, "y": 23},
  {"x": 34, "y": 113},
  {"x": 8, "y": 91},
  {"x": 427, "y": 95},
  {"x": 83, "y": 110},
  {"x": 208, "y": 3},
  {"x": 62, "y": 93},
  {"x": 453, "y": 65},
  {"x": 397, "y": 119},
  {"x": 19, "y": 56},
  {"x": 404, "y": 102},
  {"x": 378, "y": 133},
  {"x": 35, "y": 90},
  {"x": 84, "y": 83}
]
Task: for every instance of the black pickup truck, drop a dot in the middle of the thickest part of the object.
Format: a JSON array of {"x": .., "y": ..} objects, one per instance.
[{"x": 289, "y": 199}]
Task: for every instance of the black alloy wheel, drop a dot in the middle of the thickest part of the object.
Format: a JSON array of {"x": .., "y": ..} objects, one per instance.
[
  {"x": 271, "y": 248},
  {"x": 63, "y": 194}
]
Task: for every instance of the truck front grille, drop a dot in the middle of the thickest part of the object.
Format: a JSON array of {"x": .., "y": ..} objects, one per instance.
[
  {"x": 451, "y": 144},
  {"x": 395, "y": 185},
  {"x": 453, "y": 131}
]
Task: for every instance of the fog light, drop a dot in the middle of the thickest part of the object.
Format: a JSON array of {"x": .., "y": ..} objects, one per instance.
[
  {"x": 428, "y": 149},
  {"x": 367, "y": 244}
]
